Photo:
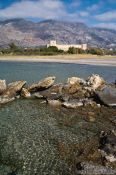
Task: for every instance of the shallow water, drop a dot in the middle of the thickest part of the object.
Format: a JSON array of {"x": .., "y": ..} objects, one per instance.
[
  {"x": 34, "y": 71},
  {"x": 36, "y": 139}
]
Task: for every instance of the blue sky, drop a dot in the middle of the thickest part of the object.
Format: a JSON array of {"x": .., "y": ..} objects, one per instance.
[{"x": 100, "y": 13}]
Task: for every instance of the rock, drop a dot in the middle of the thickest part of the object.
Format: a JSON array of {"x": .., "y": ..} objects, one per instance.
[
  {"x": 13, "y": 89},
  {"x": 90, "y": 168},
  {"x": 42, "y": 85},
  {"x": 37, "y": 95},
  {"x": 107, "y": 96},
  {"x": 108, "y": 145},
  {"x": 2, "y": 86},
  {"x": 72, "y": 104},
  {"x": 54, "y": 102},
  {"x": 53, "y": 93},
  {"x": 74, "y": 80},
  {"x": 25, "y": 93},
  {"x": 95, "y": 82},
  {"x": 4, "y": 100}
]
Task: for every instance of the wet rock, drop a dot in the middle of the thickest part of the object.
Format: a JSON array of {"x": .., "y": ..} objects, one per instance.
[
  {"x": 14, "y": 89},
  {"x": 108, "y": 145},
  {"x": 25, "y": 93},
  {"x": 42, "y": 85},
  {"x": 95, "y": 82},
  {"x": 107, "y": 95},
  {"x": 90, "y": 168},
  {"x": 2, "y": 86}
]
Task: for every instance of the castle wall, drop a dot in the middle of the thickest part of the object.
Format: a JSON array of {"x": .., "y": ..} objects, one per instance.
[{"x": 66, "y": 47}]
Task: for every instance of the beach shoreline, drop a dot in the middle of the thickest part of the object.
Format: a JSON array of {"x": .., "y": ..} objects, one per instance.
[{"x": 75, "y": 59}]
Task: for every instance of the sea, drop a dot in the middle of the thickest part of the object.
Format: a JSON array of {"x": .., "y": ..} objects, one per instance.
[{"x": 37, "y": 139}]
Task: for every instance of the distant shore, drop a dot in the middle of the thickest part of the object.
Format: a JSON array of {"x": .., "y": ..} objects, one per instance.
[{"x": 78, "y": 59}]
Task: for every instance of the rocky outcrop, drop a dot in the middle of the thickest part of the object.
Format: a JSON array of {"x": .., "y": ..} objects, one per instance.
[
  {"x": 107, "y": 95},
  {"x": 75, "y": 93},
  {"x": 95, "y": 82},
  {"x": 42, "y": 85},
  {"x": 2, "y": 86}
]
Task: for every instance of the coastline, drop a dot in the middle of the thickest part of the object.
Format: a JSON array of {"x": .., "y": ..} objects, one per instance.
[{"x": 75, "y": 59}]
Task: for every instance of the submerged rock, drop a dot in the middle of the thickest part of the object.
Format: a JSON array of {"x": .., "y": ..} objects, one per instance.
[
  {"x": 54, "y": 102},
  {"x": 42, "y": 85},
  {"x": 95, "y": 82},
  {"x": 72, "y": 104},
  {"x": 107, "y": 95},
  {"x": 108, "y": 145},
  {"x": 2, "y": 86},
  {"x": 4, "y": 100},
  {"x": 90, "y": 168}
]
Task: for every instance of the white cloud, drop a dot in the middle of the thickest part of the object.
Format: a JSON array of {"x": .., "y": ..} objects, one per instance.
[
  {"x": 42, "y": 9},
  {"x": 107, "y": 16},
  {"x": 35, "y": 9},
  {"x": 84, "y": 14},
  {"x": 106, "y": 25}
]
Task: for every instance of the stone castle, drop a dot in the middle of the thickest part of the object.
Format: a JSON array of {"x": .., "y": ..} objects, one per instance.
[{"x": 66, "y": 47}]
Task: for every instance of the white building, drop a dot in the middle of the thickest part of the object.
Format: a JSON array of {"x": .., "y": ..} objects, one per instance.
[{"x": 66, "y": 47}]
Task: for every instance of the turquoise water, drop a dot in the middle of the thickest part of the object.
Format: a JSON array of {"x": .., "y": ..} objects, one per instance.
[{"x": 36, "y": 139}]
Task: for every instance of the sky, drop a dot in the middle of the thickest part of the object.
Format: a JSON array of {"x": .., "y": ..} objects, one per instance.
[{"x": 99, "y": 13}]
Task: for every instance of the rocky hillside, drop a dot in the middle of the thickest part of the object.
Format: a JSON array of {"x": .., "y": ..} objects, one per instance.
[{"x": 27, "y": 33}]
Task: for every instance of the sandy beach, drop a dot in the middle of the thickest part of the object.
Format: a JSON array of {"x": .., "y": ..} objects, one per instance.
[{"x": 77, "y": 59}]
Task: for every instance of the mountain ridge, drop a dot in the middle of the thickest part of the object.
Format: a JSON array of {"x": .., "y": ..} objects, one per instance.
[{"x": 27, "y": 33}]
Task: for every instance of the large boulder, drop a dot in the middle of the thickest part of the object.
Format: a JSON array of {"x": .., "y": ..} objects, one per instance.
[
  {"x": 95, "y": 82},
  {"x": 2, "y": 86},
  {"x": 42, "y": 85},
  {"x": 107, "y": 95},
  {"x": 14, "y": 88}
]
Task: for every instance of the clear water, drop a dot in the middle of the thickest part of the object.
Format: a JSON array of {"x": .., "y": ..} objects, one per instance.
[
  {"x": 37, "y": 139},
  {"x": 34, "y": 71}
]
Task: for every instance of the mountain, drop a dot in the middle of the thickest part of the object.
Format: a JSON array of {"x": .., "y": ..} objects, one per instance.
[{"x": 30, "y": 34}]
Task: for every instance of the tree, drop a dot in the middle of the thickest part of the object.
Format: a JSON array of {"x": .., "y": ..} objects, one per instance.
[
  {"x": 13, "y": 47},
  {"x": 72, "y": 50}
]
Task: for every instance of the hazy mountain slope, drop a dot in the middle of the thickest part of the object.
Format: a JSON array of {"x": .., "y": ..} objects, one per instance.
[{"x": 27, "y": 33}]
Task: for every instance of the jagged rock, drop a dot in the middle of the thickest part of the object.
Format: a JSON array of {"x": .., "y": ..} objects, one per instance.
[
  {"x": 95, "y": 82},
  {"x": 90, "y": 168},
  {"x": 2, "y": 86},
  {"x": 107, "y": 95},
  {"x": 108, "y": 145},
  {"x": 14, "y": 88},
  {"x": 25, "y": 93},
  {"x": 42, "y": 85},
  {"x": 74, "y": 80}
]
